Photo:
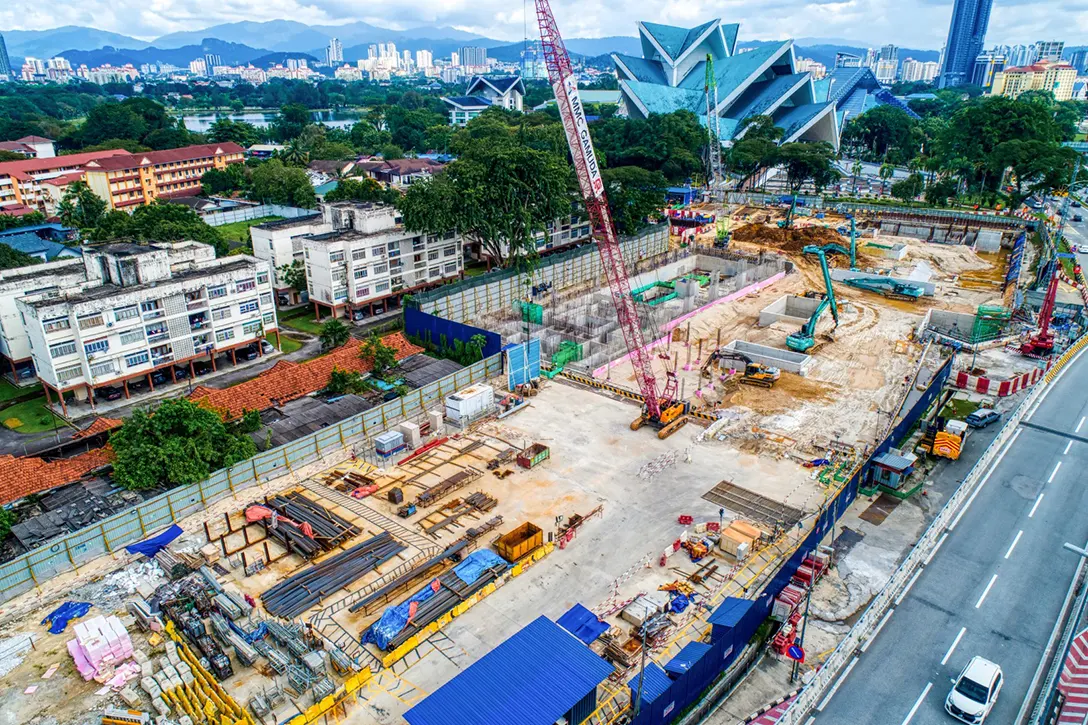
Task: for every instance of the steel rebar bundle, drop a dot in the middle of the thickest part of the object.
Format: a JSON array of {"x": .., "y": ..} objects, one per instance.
[{"x": 295, "y": 595}]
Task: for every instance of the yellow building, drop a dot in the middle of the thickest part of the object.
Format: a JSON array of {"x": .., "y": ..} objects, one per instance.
[
  {"x": 139, "y": 179},
  {"x": 1044, "y": 75}
]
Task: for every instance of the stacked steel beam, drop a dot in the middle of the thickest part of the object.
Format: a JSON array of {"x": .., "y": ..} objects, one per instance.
[
  {"x": 329, "y": 529},
  {"x": 294, "y": 596},
  {"x": 453, "y": 552}
]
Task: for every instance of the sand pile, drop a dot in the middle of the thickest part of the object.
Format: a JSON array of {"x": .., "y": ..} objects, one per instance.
[{"x": 788, "y": 240}]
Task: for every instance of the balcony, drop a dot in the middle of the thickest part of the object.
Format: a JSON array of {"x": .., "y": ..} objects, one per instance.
[
  {"x": 196, "y": 303},
  {"x": 157, "y": 361},
  {"x": 154, "y": 314}
]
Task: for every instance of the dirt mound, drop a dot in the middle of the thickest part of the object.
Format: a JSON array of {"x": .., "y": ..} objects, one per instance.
[{"x": 787, "y": 240}]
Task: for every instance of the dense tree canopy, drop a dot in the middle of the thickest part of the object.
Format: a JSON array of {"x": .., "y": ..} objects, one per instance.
[
  {"x": 634, "y": 196},
  {"x": 275, "y": 183},
  {"x": 159, "y": 222}
]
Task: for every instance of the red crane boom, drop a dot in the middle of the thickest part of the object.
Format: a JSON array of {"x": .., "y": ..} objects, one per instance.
[
  {"x": 1042, "y": 342},
  {"x": 565, "y": 85}
]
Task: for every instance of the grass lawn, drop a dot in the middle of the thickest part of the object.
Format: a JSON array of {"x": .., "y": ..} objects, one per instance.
[
  {"x": 239, "y": 231},
  {"x": 32, "y": 415},
  {"x": 289, "y": 344},
  {"x": 10, "y": 392},
  {"x": 959, "y": 409},
  {"x": 475, "y": 270},
  {"x": 301, "y": 319}
]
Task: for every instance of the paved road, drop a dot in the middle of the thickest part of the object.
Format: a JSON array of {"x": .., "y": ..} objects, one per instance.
[{"x": 995, "y": 585}]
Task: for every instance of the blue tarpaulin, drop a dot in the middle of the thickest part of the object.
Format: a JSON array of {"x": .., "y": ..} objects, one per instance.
[
  {"x": 152, "y": 546},
  {"x": 475, "y": 563},
  {"x": 582, "y": 623},
  {"x": 59, "y": 617}
]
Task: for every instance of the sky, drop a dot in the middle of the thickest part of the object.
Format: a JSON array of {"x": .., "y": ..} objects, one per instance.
[{"x": 911, "y": 24}]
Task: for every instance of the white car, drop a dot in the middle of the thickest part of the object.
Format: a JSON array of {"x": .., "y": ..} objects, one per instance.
[
  {"x": 1083, "y": 249},
  {"x": 975, "y": 691}
]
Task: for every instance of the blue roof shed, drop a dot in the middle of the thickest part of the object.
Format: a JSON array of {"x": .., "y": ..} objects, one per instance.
[
  {"x": 536, "y": 677},
  {"x": 655, "y": 683},
  {"x": 582, "y": 623},
  {"x": 686, "y": 658}
]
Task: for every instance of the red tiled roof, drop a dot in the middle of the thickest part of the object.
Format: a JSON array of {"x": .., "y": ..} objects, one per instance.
[
  {"x": 34, "y": 139},
  {"x": 65, "y": 179},
  {"x": 98, "y": 425},
  {"x": 17, "y": 210},
  {"x": 402, "y": 166},
  {"x": 152, "y": 158},
  {"x": 287, "y": 380},
  {"x": 16, "y": 146},
  {"x": 57, "y": 162},
  {"x": 21, "y": 477}
]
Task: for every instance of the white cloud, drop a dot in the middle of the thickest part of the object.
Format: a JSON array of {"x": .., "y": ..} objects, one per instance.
[{"x": 869, "y": 22}]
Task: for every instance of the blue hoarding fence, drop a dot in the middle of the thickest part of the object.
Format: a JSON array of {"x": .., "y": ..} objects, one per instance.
[
  {"x": 1016, "y": 258},
  {"x": 445, "y": 334},
  {"x": 522, "y": 362},
  {"x": 735, "y": 621}
]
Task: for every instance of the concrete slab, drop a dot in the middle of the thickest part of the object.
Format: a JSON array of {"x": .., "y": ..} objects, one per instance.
[
  {"x": 788, "y": 308},
  {"x": 792, "y": 362}
]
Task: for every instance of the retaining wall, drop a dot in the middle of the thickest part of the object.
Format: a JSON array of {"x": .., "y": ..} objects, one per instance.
[
  {"x": 791, "y": 362},
  {"x": 788, "y": 308}
]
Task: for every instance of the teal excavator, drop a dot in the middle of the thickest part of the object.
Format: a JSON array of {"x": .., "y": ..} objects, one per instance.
[{"x": 804, "y": 339}]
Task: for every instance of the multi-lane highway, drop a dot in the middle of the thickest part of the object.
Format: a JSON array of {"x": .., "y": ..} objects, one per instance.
[{"x": 995, "y": 584}]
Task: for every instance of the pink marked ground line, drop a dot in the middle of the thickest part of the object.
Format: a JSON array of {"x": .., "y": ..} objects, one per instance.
[{"x": 668, "y": 327}]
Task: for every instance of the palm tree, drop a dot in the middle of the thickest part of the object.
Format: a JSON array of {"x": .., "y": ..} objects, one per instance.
[
  {"x": 293, "y": 155},
  {"x": 887, "y": 171},
  {"x": 477, "y": 342},
  {"x": 334, "y": 333},
  {"x": 855, "y": 171}
]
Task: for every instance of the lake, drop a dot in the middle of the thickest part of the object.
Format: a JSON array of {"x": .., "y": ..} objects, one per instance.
[{"x": 201, "y": 122}]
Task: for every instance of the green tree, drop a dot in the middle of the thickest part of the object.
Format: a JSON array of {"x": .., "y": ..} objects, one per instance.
[
  {"x": 381, "y": 357},
  {"x": 112, "y": 121},
  {"x": 80, "y": 207},
  {"x": 855, "y": 171},
  {"x": 7, "y": 520},
  {"x": 362, "y": 190},
  {"x": 294, "y": 274},
  {"x": 227, "y": 181},
  {"x": 293, "y": 118},
  {"x": 168, "y": 138},
  {"x": 10, "y": 221},
  {"x": 294, "y": 154},
  {"x": 240, "y": 132},
  {"x": 342, "y": 382},
  {"x": 11, "y": 258},
  {"x": 498, "y": 195},
  {"x": 757, "y": 147},
  {"x": 909, "y": 188},
  {"x": 477, "y": 343},
  {"x": 886, "y": 172},
  {"x": 367, "y": 139},
  {"x": 178, "y": 444},
  {"x": 635, "y": 196},
  {"x": 334, "y": 333},
  {"x": 391, "y": 152},
  {"x": 160, "y": 222},
  {"x": 940, "y": 191},
  {"x": 808, "y": 162},
  {"x": 272, "y": 182},
  {"x": 885, "y": 132}
]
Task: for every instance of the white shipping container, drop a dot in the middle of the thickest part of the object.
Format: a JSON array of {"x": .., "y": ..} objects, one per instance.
[{"x": 469, "y": 404}]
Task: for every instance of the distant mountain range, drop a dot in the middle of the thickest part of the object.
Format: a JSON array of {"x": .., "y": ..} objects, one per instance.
[{"x": 245, "y": 41}]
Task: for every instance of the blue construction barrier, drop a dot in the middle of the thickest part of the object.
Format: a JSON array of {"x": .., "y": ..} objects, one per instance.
[{"x": 433, "y": 330}]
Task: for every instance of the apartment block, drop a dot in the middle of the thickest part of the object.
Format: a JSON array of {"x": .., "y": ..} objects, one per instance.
[
  {"x": 1058, "y": 78},
  {"x": 139, "y": 179},
  {"x": 24, "y": 183},
  {"x": 369, "y": 261},
  {"x": 51, "y": 278},
  {"x": 561, "y": 233},
  {"x": 279, "y": 243},
  {"x": 144, "y": 316}
]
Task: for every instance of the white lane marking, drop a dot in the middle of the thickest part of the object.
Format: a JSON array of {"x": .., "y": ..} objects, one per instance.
[
  {"x": 1055, "y": 471},
  {"x": 811, "y": 720},
  {"x": 1013, "y": 544},
  {"x": 918, "y": 703},
  {"x": 985, "y": 478},
  {"x": 985, "y": 591},
  {"x": 906, "y": 589},
  {"x": 838, "y": 683},
  {"x": 935, "y": 548},
  {"x": 877, "y": 630},
  {"x": 952, "y": 649},
  {"x": 1037, "y": 501},
  {"x": 1067, "y": 447},
  {"x": 1079, "y": 425}
]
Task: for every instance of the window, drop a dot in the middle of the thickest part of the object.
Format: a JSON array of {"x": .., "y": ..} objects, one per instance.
[
  {"x": 128, "y": 338},
  {"x": 102, "y": 369},
  {"x": 57, "y": 323},
  {"x": 251, "y": 328},
  {"x": 432, "y": 255},
  {"x": 224, "y": 335},
  {"x": 126, "y": 313},
  {"x": 266, "y": 299},
  {"x": 381, "y": 287},
  {"x": 340, "y": 293},
  {"x": 433, "y": 272},
  {"x": 150, "y": 306},
  {"x": 336, "y": 257},
  {"x": 262, "y": 278},
  {"x": 358, "y": 254},
  {"x": 244, "y": 285},
  {"x": 362, "y": 291},
  {"x": 62, "y": 348},
  {"x": 220, "y": 313},
  {"x": 381, "y": 269},
  {"x": 451, "y": 268},
  {"x": 247, "y": 307},
  {"x": 360, "y": 273},
  {"x": 269, "y": 318},
  {"x": 96, "y": 346},
  {"x": 449, "y": 251},
  {"x": 135, "y": 359},
  {"x": 66, "y": 374},
  {"x": 339, "y": 275},
  {"x": 95, "y": 320},
  {"x": 377, "y": 251}
]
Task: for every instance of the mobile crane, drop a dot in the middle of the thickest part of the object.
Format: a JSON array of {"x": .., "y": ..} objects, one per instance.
[
  {"x": 758, "y": 374},
  {"x": 663, "y": 410},
  {"x": 1041, "y": 343},
  {"x": 804, "y": 339}
]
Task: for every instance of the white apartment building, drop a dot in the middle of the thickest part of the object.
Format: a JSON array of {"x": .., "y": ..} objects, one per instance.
[
  {"x": 49, "y": 278},
  {"x": 147, "y": 314},
  {"x": 369, "y": 260},
  {"x": 279, "y": 244},
  {"x": 561, "y": 233}
]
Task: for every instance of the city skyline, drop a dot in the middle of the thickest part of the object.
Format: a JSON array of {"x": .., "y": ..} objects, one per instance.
[{"x": 922, "y": 27}]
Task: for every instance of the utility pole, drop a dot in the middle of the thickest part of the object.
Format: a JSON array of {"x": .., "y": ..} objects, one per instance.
[
  {"x": 641, "y": 668},
  {"x": 804, "y": 626}
]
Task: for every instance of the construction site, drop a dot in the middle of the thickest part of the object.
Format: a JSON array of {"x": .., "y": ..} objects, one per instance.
[{"x": 636, "y": 501}]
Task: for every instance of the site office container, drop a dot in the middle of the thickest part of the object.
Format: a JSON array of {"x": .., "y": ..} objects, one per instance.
[
  {"x": 534, "y": 454},
  {"x": 521, "y": 541},
  {"x": 469, "y": 404}
]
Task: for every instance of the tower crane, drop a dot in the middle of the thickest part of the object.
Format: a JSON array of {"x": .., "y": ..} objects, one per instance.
[{"x": 661, "y": 411}]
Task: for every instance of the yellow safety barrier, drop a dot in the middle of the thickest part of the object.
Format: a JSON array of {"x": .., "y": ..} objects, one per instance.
[
  {"x": 205, "y": 699},
  {"x": 1065, "y": 358},
  {"x": 421, "y": 636}
]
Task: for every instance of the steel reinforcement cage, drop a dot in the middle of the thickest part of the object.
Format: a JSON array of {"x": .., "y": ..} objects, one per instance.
[{"x": 73, "y": 550}]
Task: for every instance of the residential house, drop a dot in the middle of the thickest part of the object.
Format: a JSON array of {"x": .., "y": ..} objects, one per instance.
[
  {"x": 484, "y": 92},
  {"x": 399, "y": 173}
]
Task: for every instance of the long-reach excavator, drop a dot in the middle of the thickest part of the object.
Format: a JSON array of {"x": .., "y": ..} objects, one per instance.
[
  {"x": 753, "y": 373},
  {"x": 804, "y": 339},
  {"x": 663, "y": 411}
]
